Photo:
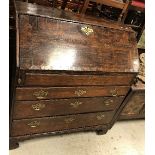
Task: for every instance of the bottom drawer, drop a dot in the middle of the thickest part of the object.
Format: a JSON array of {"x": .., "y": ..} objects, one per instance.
[{"x": 50, "y": 124}]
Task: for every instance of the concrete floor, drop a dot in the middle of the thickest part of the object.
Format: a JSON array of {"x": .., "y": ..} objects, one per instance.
[{"x": 125, "y": 138}]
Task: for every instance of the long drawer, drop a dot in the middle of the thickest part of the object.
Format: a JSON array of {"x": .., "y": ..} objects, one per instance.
[
  {"x": 36, "y": 79},
  {"x": 34, "y": 93},
  {"x": 42, "y": 108},
  {"x": 49, "y": 124}
]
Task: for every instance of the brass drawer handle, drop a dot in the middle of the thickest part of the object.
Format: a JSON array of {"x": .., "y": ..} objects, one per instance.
[
  {"x": 87, "y": 30},
  {"x": 41, "y": 94},
  {"x": 114, "y": 92},
  {"x": 80, "y": 92},
  {"x": 108, "y": 102},
  {"x": 69, "y": 120},
  {"x": 34, "y": 124},
  {"x": 76, "y": 104},
  {"x": 100, "y": 117},
  {"x": 38, "y": 106}
]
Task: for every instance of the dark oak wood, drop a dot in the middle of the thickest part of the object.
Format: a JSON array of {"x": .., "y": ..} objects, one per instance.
[
  {"x": 135, "y": 106},
  {"x": 53, "y": 13},
  {"x": 32, "y": 93},
  {"x": 12, "y": 67},
  {"x": 34, "y": 79},
  {"x": 101, "y": 132},
  {"x": 43, "y": 46},
  {"x": 30, "y": 109},
  {"x": 41, "y": 2},
  {"x": 73, "y": 72},
  {"x": 96, "y": 128},
  {"x": 13, "y": 144},
  {"x": 40, "y": 125}
]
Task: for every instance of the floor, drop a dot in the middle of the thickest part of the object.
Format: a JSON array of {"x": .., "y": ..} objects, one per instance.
[{"x": 125, "y": 138}]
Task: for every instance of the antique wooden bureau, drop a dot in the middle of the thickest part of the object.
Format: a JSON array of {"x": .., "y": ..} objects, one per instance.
[{"x": 72, "y": 72}]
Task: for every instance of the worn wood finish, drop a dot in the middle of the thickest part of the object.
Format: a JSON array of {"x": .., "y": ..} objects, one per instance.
[
  {"x": 42, "y": 47},
  {"x": 30, "y": 109},
  {"x": 13, "y": 143},
  {"x": 53, "y": 13},
  {"x": 135, "y": 106},
  {"x": 41, "y": 2},
  {"x": 32, "y": 93},
  {"x": 69, "y": 68},
  {"x": 34, "y": 79},
  {"x": 47, "y": 124},
  {"x": 96, "y": 128},
  {"x": 12, "y": 67}
]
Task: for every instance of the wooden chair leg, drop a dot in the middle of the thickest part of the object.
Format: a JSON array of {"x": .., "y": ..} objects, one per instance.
[
  {"x": 86, "y": 3},
  {"x": 54, "y": 4},
  {"x": 64, "y": 4},
  {"x": 124, "y": 12}
]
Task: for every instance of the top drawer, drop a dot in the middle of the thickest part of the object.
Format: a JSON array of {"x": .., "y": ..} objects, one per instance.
[
  {"x": 36, "y": 79},
  {"x": 40, "y": 93}
]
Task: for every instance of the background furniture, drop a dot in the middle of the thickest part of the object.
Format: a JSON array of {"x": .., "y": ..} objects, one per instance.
[
  {"x": 135, "y": 107},
  {"x": 112, "y": 3},
  {"x": 72, "y": 73},
  {"x": 136, "y": 17},
  {"x": 131, "y": 12}
]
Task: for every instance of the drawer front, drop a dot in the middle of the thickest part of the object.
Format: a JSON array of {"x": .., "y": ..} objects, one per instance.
[
  {"x": 49, "y": 124},
  {"x": 32, "y": 93},
  {"x": 31, "y": 109},
  {"x": 32, "y": 79}
]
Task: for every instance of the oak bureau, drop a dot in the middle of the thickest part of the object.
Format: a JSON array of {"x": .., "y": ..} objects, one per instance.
[{"x": 72, "y": 72}]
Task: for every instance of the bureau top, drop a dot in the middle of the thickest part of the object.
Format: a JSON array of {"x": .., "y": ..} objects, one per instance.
[{"x": 52, "y": 39}]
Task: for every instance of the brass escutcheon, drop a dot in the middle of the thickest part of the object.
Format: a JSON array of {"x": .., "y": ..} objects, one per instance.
[
  {"x": 76, "y": 104},
  {"x": 87, "y": 30},
  {"x": 38, "y": 106},
  {"x": 41, "y": 94},
  {"x": 34, "y": 124},
  {"x": 69, "y": 120},
  {"x": 80, "y": 92},
  {"x": 19, "y": 81},
  {"x": 114, "y": 92},
  {"x": 100, "y": 117}
]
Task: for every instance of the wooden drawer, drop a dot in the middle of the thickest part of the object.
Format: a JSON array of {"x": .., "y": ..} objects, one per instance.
[
  {"x": 31, "y": 109},
  {"x": 37, "y": 79},
  {"x": 33, "y": 93},
  {"x": 49, "y": 124}
]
